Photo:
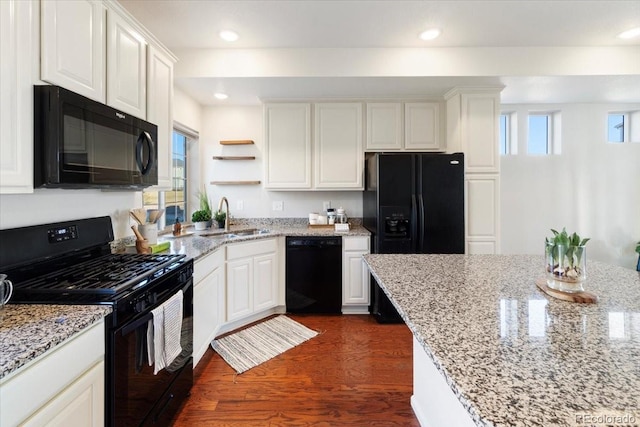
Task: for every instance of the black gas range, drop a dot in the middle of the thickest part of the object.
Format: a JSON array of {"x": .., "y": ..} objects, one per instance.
[{"x": 71, "y": 263}]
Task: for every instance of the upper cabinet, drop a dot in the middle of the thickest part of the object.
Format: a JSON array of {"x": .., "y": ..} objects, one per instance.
[
  {"x": 126, "y": 66},
  {"x": 91, "y": 47},
  {"x": 472, "y": 127},
  {"x": 409, "y": 126},
  {"x": 422, "y": 126},
  {"x": 339, "y": 154},
  {"x": 336, "y": 155},
  {"x": 384, "y": 126},
  {"x": 16, "y": 102},
  {"x": 160, "y": 109},
  {"x": 287, "y": 146},
  {"x": 73, "y": 46}
]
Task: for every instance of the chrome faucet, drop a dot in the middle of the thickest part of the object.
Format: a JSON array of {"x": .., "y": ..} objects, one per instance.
[{"x": 226, "y": 216}]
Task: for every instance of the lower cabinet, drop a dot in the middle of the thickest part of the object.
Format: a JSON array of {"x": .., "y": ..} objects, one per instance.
[
  {"x": 208, "y": 301},
  {"x": 63, "y": 387},
  {"x": 355, "y": 276},
  {"x": 252, "y": 278}
]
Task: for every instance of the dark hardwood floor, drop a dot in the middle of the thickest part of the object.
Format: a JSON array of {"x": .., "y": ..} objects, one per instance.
[{"x": 355, "y": 373}]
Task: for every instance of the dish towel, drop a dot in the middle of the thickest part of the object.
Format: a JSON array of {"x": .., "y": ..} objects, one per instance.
[{"x": 163, "y": 333}]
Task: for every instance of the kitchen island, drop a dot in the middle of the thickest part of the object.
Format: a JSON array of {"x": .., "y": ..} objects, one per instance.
[{"x": 491, "y": 350}]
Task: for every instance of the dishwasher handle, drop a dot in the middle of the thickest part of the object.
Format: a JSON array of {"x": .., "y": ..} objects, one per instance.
[{"x": 313, "y": 243}]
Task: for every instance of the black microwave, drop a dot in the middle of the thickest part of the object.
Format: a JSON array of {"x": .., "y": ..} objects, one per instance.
[{"x": 82, "y": 143}]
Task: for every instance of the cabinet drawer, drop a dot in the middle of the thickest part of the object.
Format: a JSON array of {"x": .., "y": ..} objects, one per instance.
[
  {"x": 355, "y": 244},
  {"x": 252, "y": 248},
  {"x": 205, "y": 265}
]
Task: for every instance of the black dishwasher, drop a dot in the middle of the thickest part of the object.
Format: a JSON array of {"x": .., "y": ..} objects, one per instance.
[{"x": 314, "y": 275}]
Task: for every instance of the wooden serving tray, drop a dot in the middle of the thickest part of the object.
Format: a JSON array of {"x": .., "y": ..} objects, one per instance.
[
  {"x": 581, "y": 297},
  {"x": 322, "y": 226}
]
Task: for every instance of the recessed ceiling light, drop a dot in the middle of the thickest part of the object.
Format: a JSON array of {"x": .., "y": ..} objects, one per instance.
[
  {"x": 429, "y": 34},
  {"x": 228, "y": 35},
  {"x": 629, "y": 34},
  {"x": 220, "y": 95}
]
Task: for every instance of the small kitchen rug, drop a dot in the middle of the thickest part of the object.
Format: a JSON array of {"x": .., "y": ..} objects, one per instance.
[{"x": 250, "y": 347}]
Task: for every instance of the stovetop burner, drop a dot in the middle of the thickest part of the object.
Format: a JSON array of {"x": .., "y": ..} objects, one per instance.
[{"x": 109, "y": 274}]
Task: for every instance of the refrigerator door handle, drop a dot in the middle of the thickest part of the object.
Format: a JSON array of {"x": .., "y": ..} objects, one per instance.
[
  {"x": 421, "y": 218},
  {"x": 414, "y": 224}
]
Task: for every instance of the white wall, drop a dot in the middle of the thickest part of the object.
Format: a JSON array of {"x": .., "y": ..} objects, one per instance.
[
  {"x": 245, "y": 122},
  {"x": 592, "y": 187},
  {"x": 53, "y": 205}
]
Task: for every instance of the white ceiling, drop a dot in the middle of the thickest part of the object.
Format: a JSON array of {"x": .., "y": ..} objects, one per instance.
[{"x": 184, "y": 25}]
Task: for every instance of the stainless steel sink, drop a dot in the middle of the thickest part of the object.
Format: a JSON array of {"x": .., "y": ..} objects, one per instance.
[
  {"x": 235, "y": 234},
  {"x": 248, "y": 232}
]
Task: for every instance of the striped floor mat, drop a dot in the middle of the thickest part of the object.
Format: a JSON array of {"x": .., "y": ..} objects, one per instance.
[{"x": 250, "y": 347}]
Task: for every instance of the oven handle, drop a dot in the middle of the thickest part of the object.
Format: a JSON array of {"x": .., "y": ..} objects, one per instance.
[{"x": 137, "y": 323}]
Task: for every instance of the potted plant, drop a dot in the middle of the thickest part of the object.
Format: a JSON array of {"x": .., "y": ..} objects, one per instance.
[
  {"x": 201, "y": 219},
  {"x": 638, "y": 251},
  {"x": 565, "y": 261},
  {"x": 219, "y": 216},
  {"x": 204, "y": 213}
]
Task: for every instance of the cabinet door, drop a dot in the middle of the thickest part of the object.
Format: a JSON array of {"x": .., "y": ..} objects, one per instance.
[
  {"x": 73, "y": 46},
  {"x": 160, "y": 110},
  {"x": 126, "y": 67},
  {"x": 16, "y": 102},
  {"x": 79, "y": 405},
  {"x": 239, "y": 288},
  {"x": 339, "y": 154},
  {"x": 422, "y": 126},
  {"x": 384, "y": 126},
  {"x": 207, "y": 316},
  {"x": 355, "y": 279},
  {"x": 287, "y": 146},
  {"x": 265, "y": 281},
  {"x": 480, "y": 113}
]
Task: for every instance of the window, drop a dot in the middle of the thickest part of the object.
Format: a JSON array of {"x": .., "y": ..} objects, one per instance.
[
  {"x": 544, "y": 133},
  {"x": 172, "y": 201},
  {"x": 615, "y": 127},
  {"x": 508, "y": 132},
  {"x": 539, "y": 134}
]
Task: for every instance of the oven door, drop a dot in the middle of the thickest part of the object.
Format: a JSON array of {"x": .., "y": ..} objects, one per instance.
[{"x": 138, "y": 396}]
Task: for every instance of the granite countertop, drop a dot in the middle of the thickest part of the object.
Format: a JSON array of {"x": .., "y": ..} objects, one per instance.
[
  {"x": 195, "y": 244},
  {"x": 29, "y": 330},
  {"x": 512, "y": 355}
]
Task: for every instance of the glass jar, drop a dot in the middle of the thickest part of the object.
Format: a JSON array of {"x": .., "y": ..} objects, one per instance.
[{"x": 341, "y": 217}]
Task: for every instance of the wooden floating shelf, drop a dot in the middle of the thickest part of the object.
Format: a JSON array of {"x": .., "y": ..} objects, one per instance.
[
  {"x": 235, "y": 182},
  {"x": 234, "y": 157},
  {"x": 237, "y": 142}
]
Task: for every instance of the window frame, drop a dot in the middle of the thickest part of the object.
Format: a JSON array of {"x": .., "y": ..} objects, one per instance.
[
  {"x": 511, "y": 133},
  {"x": 553, "y": 145}
]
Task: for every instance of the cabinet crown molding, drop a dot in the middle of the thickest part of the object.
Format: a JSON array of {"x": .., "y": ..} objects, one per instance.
[{"x": 458, "y": 90}]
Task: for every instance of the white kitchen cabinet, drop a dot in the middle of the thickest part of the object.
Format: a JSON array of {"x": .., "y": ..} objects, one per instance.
[
  {"x": 384, "y": 126},
  {"x": 355, "y": 275},
  {"x": 252, "y": 278},
  {"x": 338, "y": 153},
  {"x": 287, "y": 153},
  {"x": 73, "y": 46},
  {"x": 160, "y": 109},
  {"x": 472, "y": 128},
  {"x": 239, "y": 288},
  {"x": 126, "y": 66},
  {"x": 398, "y": 126},
  {"x": 62, "y": 387},
  {"x": 265, "y": 283},
  {"x": 16, "y": 102},
  {"x": 208, "y": 300},
  {"x": 422, "y": 126}
]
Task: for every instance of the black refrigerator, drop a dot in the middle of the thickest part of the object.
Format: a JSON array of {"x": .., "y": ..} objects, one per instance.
[{"x": 412, "y": 203}]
